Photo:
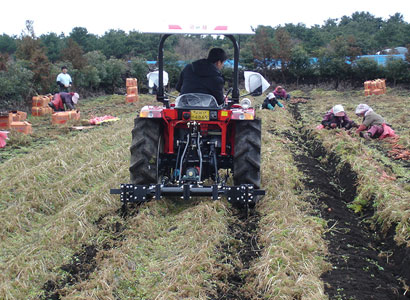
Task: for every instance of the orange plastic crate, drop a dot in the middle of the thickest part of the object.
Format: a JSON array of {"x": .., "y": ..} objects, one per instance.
[
  {"x": 41, "y": 111},
  {"x": 18, "y": 115},
  {"x": 47, "y": 110},
  {"x": 24, "y": 127},
  {"x": 37, "y": 102},
  {"x": 131, "y": 82},
  {"x": 45, "y": 102},
  {"x": 41, "y": 101},
  {"x": 64, "y": 116},
  {"x": 367, "y": 85},
  {"x": 35, "y": 111},
  {"x": 131, "y": 98},
  {"x": 132, "y": 90},
  {"x": 5, "y": 120}
]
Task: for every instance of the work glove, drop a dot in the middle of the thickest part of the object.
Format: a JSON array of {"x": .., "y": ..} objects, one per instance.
[
  {"x": 333, "y": 125},
  {"x": 270, "y": 106}
]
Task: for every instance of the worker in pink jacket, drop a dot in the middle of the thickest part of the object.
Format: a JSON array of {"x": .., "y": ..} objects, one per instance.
[
  {"x": 280, "y": 93},
  {"x": 373, "y": 125},
  {"x": 63, "y": 101}
]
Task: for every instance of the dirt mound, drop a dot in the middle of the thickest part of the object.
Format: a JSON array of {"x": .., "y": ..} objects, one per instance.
[{"x": 81, "y": 266}]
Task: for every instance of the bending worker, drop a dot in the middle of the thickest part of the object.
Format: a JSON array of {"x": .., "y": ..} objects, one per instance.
[
  {"x": 336, "y": 117},
  {"x": 63, "y": 101},
  {"x": 374, "y": 123},
  {"x": 270, "y": 102}
]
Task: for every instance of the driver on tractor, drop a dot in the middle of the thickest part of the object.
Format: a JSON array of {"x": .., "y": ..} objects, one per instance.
[{"x": 204, "y": 76}]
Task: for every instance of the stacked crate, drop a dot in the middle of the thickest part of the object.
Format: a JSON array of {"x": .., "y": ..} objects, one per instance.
[
  {"x": 15, "y": 120},
  {"x": 132, "y": 90},
  {"x": 5, "y": 120},
  {"x": 375, "y": 87},
  {"x": 40, "y": 105},
  {"x": 63, "y": 116}
]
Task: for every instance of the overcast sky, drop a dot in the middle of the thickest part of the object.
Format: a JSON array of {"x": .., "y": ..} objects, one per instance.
[{"x": 99, "y": 17}]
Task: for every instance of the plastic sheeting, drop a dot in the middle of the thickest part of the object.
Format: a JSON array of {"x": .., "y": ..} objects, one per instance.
[
  {"x": 153, "y": 78},
  {"x": 254, "y": 81},
  {"x": 104, "y": 119}
]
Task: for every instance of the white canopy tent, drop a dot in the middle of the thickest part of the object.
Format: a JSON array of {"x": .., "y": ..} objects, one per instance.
[{"x": 153, "y": 78}]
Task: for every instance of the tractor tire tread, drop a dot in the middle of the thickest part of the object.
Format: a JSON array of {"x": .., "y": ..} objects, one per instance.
[
  {"x": 143, "y": 150},
  {"x": 247, "y": 157}
]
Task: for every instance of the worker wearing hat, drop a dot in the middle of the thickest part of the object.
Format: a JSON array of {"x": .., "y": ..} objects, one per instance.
[
  {"x": 270, "y": 102},
  {"x": 280, "y": 93},
  {"x": 371, "y": 121},
  {"x": 63, "y": 101},
  {"x": 336, "y": 117}
]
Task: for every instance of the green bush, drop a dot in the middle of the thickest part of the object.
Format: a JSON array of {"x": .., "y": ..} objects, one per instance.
[
  {"x": 367, "y": 69},
  {"x": 173, "y": 67},
  {"x": 397, "y": 70},
  {"x": 16, "y": 85},
  {"x": 299, "y": 65},
  {"x": 115, "y": 72},
  {"x": 138, "y": 68},
  {"x": 228, "y": 75},
  {"x": 97, "y": 59},
  {"x": 89, "y": 78}
]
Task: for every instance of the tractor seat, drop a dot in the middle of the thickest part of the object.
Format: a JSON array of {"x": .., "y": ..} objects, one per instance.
[{"x": 196, "y": 100}]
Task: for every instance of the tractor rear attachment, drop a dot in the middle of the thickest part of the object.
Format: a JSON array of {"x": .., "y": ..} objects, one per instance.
[{"x": 243, "y": 195}]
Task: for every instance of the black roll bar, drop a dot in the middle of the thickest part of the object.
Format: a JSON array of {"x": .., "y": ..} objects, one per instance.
[
  {"x": 235, "y": 91},
  {"x": 160, "y": 90}
]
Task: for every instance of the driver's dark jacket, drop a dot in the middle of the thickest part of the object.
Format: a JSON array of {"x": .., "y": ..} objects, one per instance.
[{"x": 202, "y": 76}]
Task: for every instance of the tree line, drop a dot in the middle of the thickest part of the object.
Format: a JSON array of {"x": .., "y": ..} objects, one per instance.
[{"x": 327, "y": 53}]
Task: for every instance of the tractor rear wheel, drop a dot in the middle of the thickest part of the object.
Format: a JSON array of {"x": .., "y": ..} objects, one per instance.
[
  {"x": 144, "y": 147},
  {"x": 247, "y": 157}
]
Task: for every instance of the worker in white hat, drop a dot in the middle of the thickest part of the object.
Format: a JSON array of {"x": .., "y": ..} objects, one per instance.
[
  {"x": 63, "y": 101},
  {"x": 371, "y": 121},
  {"x": 271, "y": 101},
  {"x": 336, "y": 117}
]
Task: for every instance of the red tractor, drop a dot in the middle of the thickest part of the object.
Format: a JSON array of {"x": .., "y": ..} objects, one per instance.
[{"x": 192, "y": 146}]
